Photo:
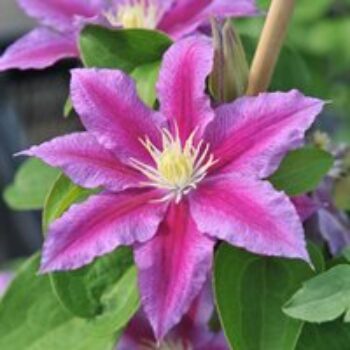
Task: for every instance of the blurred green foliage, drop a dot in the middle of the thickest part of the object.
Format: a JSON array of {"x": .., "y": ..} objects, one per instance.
[{"x": 320, "y": 34}]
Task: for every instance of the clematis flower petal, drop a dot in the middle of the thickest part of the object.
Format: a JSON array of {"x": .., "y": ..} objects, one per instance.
[
  {"x": 332, "y": 224},
  {"x": 59, "y": 14},
  {"x": 193, "y": 330},
  {"x": 100, "y": 225},
  {"x": 253, "y": 134},
  {"x": 181, "y": 86},
  {"x": 137, "y": 333},
  {"x": 334, "y": 228},
  {"x": 39, "y": 49},
  {"x": 187, "y": 15},
  {"x": 194, "y": 326},
  {"x": 173, "y": 267},
  {"x": 249, "y": 214},
  {"x": 218, "y": 342},
  {"x": 202, "y": 307},
  {"x": 109, "y": 107},
  {"x": 86, "y": 162},
  {"x": 5, "y": 280},
  {"x": 305, "y": 206}
]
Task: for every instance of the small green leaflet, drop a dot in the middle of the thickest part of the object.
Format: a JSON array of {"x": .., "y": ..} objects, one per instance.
[
  {"x": 61, "y": 196},
  {"x": 31, "y": 185},
  {"x": 31, "y": 318},
  {"x": 124, "y": 49},
  {"x": 301, "y": 171},
  {"x": 146, "y": 77},
  {"x": 323, "y": 298}
]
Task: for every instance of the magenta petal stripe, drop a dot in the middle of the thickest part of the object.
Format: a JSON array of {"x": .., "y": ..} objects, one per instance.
[
  {"x": 59, "y": 14},
  {"x": 100, "y": 225},
  {"x": 230, "y": 8},
  {"x": 86, "y": 162},
  {"x": 109, "y": 107},
  {"x": 253, "y": 134},
  {"x": 39, "y": 49},
  {"x": 249, "y": 214},
  {"x": 173, "y": 267},
  {"x": 187, "y": 15},
  {"x": 181, "y": 85}
]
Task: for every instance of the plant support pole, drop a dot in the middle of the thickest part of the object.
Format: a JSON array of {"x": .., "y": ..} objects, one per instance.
[{"x": 270, "y": 44}]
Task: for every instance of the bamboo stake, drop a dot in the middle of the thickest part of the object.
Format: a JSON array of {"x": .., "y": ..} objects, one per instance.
[{"x": 270, "y": 44}]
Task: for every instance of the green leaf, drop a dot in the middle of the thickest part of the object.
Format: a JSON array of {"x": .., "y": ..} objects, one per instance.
[
  {"x": 146, "y": 77},
  {"x": 326, "y": 336},
  {"x": 346, "y": 254},
  {"x": 119, "y": 304},
  {"x": 250, "y": 291},
  {"x": 306, "y": 12},
  {"x": 31, "y": 184},
  {"x": 62, "y": 195},
  {"x": 291, "y": 70},
  {"x": 323, "y": 298},
  {"x": 124, "y": 49},
  {"x": 326, "y": 37},
  {"x": 302, "y": 170},
  {"x": 31, "y": 318},
  {"x": 81, "y": 291}
]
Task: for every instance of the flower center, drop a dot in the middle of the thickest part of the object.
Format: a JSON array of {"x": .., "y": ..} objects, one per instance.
[
  {"x": 178, "y": 168},
  {"x": 135, "y": 14}
]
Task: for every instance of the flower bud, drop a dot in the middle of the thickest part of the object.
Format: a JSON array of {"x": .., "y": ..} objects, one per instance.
[{"x": 229, "y": 78}]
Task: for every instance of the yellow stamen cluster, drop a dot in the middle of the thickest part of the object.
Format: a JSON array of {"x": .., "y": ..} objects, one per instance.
[
  {"x": 178, "y": 168},
  {"x": 135, "y": 14}
]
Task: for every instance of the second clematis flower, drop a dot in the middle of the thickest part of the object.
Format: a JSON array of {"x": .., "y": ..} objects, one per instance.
[
  {"x": 192, "y": 333},
  {"x": 175, "y": 180},
  {"x": 61, "y": 20}
]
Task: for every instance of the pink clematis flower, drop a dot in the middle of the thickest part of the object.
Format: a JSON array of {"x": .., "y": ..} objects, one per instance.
[
  {"x": 61, "y": 20},
  {"x": 305, "y": 206},
  {"x": 192, "y": 333},
  {"x": 176, "y": 180}
]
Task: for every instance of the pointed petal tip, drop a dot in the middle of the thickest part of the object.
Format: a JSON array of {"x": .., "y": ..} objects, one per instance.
[
  {"x": 43, "y": 270},
  {"x": 173, "y": 268},
  {"x": 23, "y": 153},
  {"x": 298, "y": 253},
  {"x": 29, "y": 152},
  {"x": 45, "y": 267}
]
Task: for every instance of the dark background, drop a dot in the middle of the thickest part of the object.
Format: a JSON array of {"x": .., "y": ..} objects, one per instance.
[{"x": 31, "y": 105}]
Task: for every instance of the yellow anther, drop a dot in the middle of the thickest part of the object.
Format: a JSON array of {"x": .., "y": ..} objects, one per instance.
[
  {"x": 134, "y": 14},
  {"x": 175, "y": 166},
  {"x": 178, "y": 168}
]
